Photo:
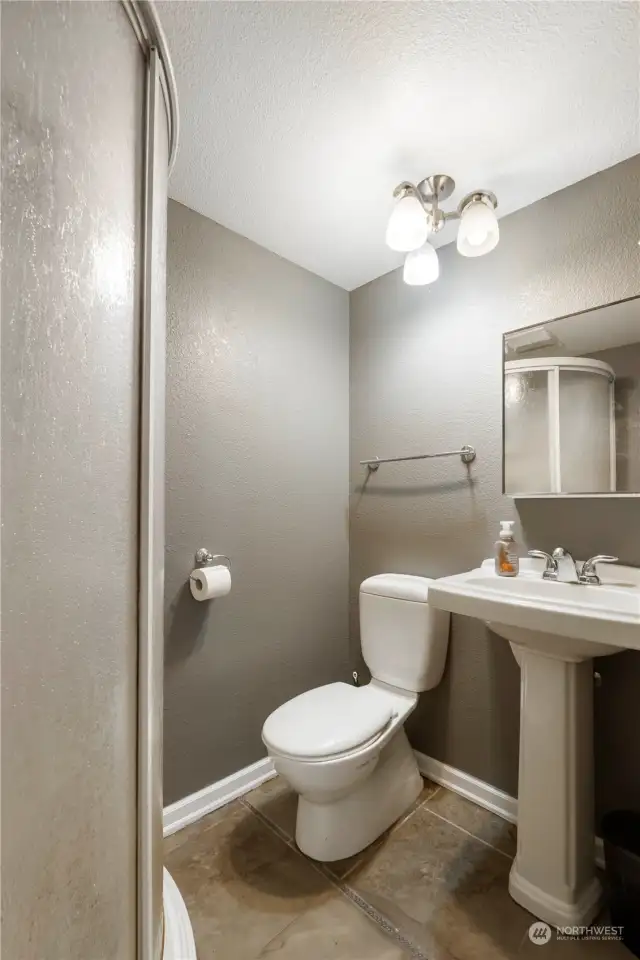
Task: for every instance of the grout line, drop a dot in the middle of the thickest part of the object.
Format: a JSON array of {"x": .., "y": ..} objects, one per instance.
[
  {"x": 410, "y": 813},
  {"x": 264, "y": 820},
  {"x": 435, "y": 793},
  {"x": 351, "y": 870},
  {"x": 348, "y": 892},
  {"x": 468, "y": 833},
  {"x": 380, "y": 920},
  {"x": 338, "y": 884}
]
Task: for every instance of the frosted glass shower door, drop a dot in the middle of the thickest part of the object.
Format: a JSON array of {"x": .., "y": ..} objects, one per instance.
[
  {"x": 587, "y": 438},
  {"x": 559, "y": 426},
  {"x": 526, "y": 431},
  {"x": 88, "y": 125}
]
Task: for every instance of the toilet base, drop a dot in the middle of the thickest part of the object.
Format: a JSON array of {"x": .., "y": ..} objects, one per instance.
[{"x": 344, "y": 827}]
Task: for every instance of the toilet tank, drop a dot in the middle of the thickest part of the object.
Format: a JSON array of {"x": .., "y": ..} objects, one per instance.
[{"x": 404, "y": 640}]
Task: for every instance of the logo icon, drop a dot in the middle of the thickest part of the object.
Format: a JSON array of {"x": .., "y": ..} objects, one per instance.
[{"x": 539, "y": 932}]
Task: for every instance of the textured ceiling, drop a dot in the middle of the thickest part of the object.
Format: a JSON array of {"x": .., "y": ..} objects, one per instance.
[{"x": 299, "y": 118}]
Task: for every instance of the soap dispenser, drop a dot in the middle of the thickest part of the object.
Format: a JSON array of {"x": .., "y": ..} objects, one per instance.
[{"x": 507, "y": 562}]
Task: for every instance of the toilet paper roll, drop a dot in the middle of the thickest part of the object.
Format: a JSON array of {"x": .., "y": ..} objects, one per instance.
[{"x": 207, "y": 583}]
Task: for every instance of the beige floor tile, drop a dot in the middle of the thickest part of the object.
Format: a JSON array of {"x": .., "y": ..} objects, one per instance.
[
  {"x": 481, "y": 823},
  {"x": 242, "y": 884},
  {"x": 181, "y": 837},
  {"x": 276, "y": 801},
  {"x": 339, "y": 869},
  {"x": 336, "y": 930},
  {"x": 448, "y": 894}
]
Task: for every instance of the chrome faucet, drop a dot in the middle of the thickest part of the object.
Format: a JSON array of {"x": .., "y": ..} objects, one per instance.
[
  {"x": 560, "y": 565},
  {"x": 588, "y": 573}
]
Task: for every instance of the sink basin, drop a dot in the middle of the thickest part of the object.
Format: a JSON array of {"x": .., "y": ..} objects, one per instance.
[
  {"x": 554, "y": 629},
  {"x": 603, "y": 619}
]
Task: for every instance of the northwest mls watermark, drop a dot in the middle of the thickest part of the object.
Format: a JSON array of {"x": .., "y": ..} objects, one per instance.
[{"x": 541, "y": 933}]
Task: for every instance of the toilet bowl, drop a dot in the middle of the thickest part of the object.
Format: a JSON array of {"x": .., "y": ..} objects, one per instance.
[{"x": 343, "y": 749}]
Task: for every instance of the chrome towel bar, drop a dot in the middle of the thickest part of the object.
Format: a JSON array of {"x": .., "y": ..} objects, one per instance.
[{"x": 466, "y": 453}]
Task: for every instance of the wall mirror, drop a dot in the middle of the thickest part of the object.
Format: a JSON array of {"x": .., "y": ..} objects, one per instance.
[{"x": 571, "y": 404}]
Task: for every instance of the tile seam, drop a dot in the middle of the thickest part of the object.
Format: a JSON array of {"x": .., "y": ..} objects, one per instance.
[
  {"x": 468, "y": 833},
  {"x": 354, "y": 898}
]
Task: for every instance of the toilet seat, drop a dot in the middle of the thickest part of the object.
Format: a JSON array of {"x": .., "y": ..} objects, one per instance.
[{"x": 327, "y": 722}]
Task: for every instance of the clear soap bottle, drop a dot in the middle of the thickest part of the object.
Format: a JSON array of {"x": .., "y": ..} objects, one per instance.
[{"x": 507, "y": 562}]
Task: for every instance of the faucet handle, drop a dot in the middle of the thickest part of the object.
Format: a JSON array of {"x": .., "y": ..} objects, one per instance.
[
  {"x": 551, "y": 568},
  {"x": 588, "y": 574}
]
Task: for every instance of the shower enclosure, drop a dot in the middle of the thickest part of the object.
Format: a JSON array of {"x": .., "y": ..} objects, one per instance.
[
  {"x": 89, "y": 127},
  {"x": 559, "y": 426}
]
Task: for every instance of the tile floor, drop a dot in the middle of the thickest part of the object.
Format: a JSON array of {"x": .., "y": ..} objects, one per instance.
[{"x": 434, "y": 887}]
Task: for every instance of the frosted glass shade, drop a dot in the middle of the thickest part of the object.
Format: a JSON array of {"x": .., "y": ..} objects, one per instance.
[
  {"x": 408, "y": 227},
  {"x": 421, "y": 266},
  {"x": 478, "y": 232}
]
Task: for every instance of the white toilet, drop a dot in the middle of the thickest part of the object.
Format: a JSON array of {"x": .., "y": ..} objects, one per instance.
[{"x": 344, "y": 748}]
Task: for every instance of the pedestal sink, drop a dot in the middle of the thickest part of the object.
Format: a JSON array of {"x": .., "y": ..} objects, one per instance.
[{"x": 555, "y": 629}]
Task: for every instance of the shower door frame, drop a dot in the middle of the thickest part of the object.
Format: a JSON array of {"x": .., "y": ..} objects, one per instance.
[{"x": 161, "y": 114}]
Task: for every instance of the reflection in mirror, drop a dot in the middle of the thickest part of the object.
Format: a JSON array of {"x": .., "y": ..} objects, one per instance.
[{"x": 572, "y": 404}]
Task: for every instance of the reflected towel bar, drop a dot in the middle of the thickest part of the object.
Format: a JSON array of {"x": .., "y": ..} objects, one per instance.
[{"x": 466, "y": 453}]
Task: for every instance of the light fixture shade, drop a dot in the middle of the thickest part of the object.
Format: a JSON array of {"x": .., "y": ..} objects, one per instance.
[
  {"x": 478, "y": 232},
  {"x": 408, "y": 227},
  {"x": 421, "y": 266}
]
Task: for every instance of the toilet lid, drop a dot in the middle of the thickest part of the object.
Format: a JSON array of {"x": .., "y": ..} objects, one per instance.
[{"x": 325, "y": 721}]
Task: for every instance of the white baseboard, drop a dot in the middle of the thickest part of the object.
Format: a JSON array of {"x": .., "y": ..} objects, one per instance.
[
  {"x": 183, "y": 812},
  {"x": 470, "y": 787},
  {"x": 481, "y": 793},
  {"x": 197, "y": 805}
]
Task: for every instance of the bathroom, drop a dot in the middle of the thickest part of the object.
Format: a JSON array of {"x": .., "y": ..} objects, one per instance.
[{"x": 294, "y": 350}]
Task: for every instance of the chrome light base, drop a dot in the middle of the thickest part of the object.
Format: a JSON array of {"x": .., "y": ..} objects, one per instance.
[
  {"x": 484, "y": 196},
  {"x": 436, "y": 187}
]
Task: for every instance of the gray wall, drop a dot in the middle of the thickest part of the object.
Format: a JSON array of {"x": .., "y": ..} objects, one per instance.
[
  {"x": 257, "y": 468},
  {"x": 426, "y": 375},
  {"x": 71, "y": 204}
]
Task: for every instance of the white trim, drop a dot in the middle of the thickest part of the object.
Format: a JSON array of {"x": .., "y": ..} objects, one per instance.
[
  {"x": 179, "y": 943},
  {"x": 143, "y": 17},
  {"x": 470, "y": 787},
  {"x": 613, "y": 467},
  {"x": 573, "y": 496},
  {"x": 553, "y": 392},
  {"x": 481, "y": 793},
  {"x": 197, "y": 805},
  {"x": 554, "y": 363},
  {"x": 151, "y": 537}
]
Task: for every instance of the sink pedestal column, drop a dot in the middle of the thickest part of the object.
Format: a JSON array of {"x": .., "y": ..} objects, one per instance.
[{"x": 553, "y": 875}]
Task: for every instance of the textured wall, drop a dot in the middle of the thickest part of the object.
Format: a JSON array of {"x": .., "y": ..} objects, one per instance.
[
  {"x": 426, "y": 375},
  {"x": 257, "y": 468},
  {"x": 71, "y": 175}
]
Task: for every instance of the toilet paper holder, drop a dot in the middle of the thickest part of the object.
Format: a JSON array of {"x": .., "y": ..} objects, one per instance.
[{"x": 204, "y": 558}]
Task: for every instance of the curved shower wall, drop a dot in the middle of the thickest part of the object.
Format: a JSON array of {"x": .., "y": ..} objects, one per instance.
[
  {"x": 559, "y": 427},
  {"x": 88, "y": 119}
]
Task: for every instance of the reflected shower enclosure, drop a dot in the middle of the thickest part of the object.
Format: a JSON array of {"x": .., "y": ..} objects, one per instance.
[
  {"x": 559, "y": 428},
  {"x": 571, "y": 404}
]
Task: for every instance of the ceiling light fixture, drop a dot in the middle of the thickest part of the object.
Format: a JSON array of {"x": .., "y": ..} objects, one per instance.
[
  {"x": 421, "y": 266},
  {"x": 408, "y": 227},
  {"x": 417, "y": 214}
]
